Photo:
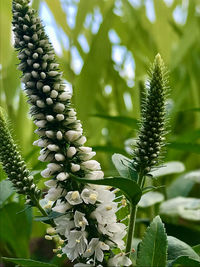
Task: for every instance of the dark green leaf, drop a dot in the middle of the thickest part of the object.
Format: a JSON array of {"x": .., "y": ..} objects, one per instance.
[
  {"x": 129, "y": 187},
  {"x": 27, "y": 262},
  {"x": 197, "y": 249},
  {"x": 177, "y": 248},
  {"x": 153, "y": 248},
  {"x": 184, "y": 261},
  {"x": 124, "y": 166},
  {"x": 51, "y": 216}
]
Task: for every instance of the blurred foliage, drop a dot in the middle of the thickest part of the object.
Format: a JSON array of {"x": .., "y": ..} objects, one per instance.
[{"x": 105, "y": 48}]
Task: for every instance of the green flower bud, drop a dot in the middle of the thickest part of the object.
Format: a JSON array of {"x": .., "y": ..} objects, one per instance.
[
  {"x": 12, "y": 162},
  {"x": 152, "y": 130}
]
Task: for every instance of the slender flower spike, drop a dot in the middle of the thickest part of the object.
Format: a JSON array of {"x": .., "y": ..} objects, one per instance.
[
  {"x": 88, "y": 212},
  {"x": 14, "y": 165},
  {"x": 151, "y": 134}
]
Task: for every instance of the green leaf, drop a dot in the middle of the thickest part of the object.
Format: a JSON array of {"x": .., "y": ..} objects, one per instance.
[
  {"x": 124, "y": 166},
  {"x": 51, "y": 216},
  {"x": 182, "y": 211},
  {"x": 168, "y": 168},
  {"x": 153, "y": 248},
  {"x": 129, "y": 187},
  {"x": 128, "y": 121},
  {"x": 177, "y": 248},
  {"x": 197, "y": 249},
  {"x": 6, "y": 190},
  {"x": 183, "y": 185},
  {"x": 184, "y": 261},
  {"x": 15, "y": 229},
  {"x": 189, "y": 147},
  {"x": 150, "y": 199},
  {"x": 27, "y": 262}
]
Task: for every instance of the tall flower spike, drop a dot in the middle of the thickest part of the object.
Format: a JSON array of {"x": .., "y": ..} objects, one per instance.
[
  {"x": 14, "y": 166},
  {"x": 151, "y": 134},
  {"x": 89, "y": 224}
]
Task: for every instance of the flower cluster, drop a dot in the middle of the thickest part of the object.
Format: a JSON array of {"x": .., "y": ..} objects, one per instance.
[
  {"x": 88, "y": 222},
  {"x": 14, "y": 166},
  {"x": 151, "y": 135}
]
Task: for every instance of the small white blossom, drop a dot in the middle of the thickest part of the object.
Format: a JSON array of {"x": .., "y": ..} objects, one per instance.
[
  {"x": 87, "y": 156},
  {"x": 64, "y": 224},
  {"x": 54, "y": 193},
  {"x": 80, "y": 220},
  {"x": 72, "y": 135},
  {"x": 89, "y": 196},
  {"x": 59, "y": 157},
  {"x": 75, "y": 167},
  {"x": 62, "y": 176},
  {"x": 71, "y": 152},
  {"x": 96, "y": 247},
  {"x": 92, "y": 165},
  {"x": 94, "y": 175},
  {"x": 61, "y": 206},
  {"x": 81, "y": 140},
  {"x": 105, "y": 213},
  {"x": 119, "y": 260},
  {"x": 74, "y": 198},
  {"x": 77, "y": 244}
]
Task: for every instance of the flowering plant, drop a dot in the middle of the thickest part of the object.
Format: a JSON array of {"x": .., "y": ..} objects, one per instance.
[{"x": 81, "y": 205}]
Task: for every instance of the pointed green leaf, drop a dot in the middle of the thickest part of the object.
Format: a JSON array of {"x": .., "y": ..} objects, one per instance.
[
  {"x": 177, "y": 248},
  {"x": 129, "y": 187},
  {"x": 153, "y": 248},
  {"x": 27, "y": 262},
  {"x": 124, "y": 166}
]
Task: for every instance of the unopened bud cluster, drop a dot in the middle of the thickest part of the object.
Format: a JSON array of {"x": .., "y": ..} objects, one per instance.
[
  {"x": 14, "y": 166},
  {"x": 151, "y": 134},
  {"x": 88, "y": 223}
]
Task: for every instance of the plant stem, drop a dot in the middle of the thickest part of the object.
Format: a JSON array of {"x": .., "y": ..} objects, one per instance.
[
  {"x": 37, "y": 204},
  {"x": 131, "y": 227}
]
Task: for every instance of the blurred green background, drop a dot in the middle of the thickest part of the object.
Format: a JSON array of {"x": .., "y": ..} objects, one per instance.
[{"x": 105, "y": 48}]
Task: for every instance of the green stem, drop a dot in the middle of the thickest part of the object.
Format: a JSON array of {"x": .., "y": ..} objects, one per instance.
[
  {"x": 133, "y": 213},
  {"x": 131, "y": 227},
  {"x": 37, "y": 204}
]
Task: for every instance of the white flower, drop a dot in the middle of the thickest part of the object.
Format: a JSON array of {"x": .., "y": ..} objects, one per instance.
[
  {"x": 72, "y": 135},
  {"x": 80, "y": 220},
  {"x": 54, "y": 193},
  {"x": 73, "y": 197},
  {"x": 71, "y": 152},
  {"x": 51, "y": 169},
  {"x": 110, "y": 229},
  {"x": 86, "y": 156},
  {"x": 77, "y": 244},
  {"x": 62, "y": 176},
  {"x": 61, "y": 206},
  {"x": 117, "y": 237},
  {"x": 50, "y": 183},
  {"x": 75, "y": 167},
  {"x": 81, "y": 140},
  {"x": 119, "y": 260},
  {"x": 89, "y": 196},
  {"x": 64, "y": 224},
  {"x": 105, "y": 213},
  {"x": 96, "y": 247},
  {"x": 94, "y": 175},
  {"x": 85, "y": 149},
  {"x": 104, "y": 195},
  {"x": 92, "y": 165}
]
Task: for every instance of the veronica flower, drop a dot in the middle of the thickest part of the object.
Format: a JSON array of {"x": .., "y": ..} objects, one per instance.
[{"x": 87, "y": 210}]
